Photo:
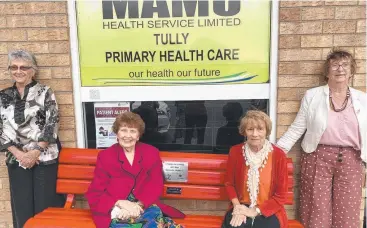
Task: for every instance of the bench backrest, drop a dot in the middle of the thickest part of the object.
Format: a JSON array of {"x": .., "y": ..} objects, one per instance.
[{"x": 205, "y": 179}]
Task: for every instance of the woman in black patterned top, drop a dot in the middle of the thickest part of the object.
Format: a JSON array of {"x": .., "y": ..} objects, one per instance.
[{"x": 29, "y": 122}]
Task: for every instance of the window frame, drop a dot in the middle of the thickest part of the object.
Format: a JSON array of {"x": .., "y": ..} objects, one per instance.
[{"x": 190, "y": 92}]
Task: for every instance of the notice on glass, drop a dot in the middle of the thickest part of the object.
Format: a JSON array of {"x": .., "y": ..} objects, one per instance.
[
  {"x": 105, "y": 115},
  {"x": 175, "y": 171}
]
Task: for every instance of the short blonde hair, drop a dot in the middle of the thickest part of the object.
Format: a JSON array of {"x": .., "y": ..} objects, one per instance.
[
  {"x": 255, "y": 116},
  {"x": 129, "y": 119}
]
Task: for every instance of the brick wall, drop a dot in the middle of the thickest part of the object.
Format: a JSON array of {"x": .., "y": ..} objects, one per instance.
[
  {"x": 307, "y": 30},
  {"x": 42, "y": 28}
]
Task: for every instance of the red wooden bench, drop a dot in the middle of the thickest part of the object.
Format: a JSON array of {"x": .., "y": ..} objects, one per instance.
[{"x": 204, "y": 182}]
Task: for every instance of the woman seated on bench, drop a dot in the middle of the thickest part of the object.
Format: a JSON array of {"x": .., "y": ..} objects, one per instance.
[
  {"x": 128, "y": 181},
  {"x": 256, "y": 180}
]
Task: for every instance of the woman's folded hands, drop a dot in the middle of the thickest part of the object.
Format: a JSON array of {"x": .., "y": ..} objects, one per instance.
[
  {"x": 238, "y": 215},
  {"x": 125, "y": 209},
  {"x": 28, "y": 159}
]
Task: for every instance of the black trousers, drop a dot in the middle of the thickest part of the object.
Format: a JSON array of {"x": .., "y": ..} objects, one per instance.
[
  {"x": 32, "y": 191},
  {"x": 260, "y": 222}
]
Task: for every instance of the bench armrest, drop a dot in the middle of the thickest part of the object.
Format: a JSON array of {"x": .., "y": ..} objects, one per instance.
[{"x": 70, "y": 199}]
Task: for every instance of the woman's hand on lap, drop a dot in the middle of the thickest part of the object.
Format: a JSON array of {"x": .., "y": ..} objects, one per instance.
[
  {"x": 237, "y": 220},
  {"x": 134, "y": 209},
  {"x": 124, "y": 214},
  {"x": 240, "y": 210}
]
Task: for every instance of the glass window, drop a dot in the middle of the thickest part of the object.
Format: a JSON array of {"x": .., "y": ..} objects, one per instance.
[{"x": 187, "y": 126}]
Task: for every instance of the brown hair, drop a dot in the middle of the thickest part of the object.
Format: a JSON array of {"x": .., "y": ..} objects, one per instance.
[
  {"x": 255, "y": 115},
  {"x": 129, "y": 119},
  {"x": 338, "y": 54}
]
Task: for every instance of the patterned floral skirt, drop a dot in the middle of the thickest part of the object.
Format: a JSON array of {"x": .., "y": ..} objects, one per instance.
[{"x": 152, "y": 217}]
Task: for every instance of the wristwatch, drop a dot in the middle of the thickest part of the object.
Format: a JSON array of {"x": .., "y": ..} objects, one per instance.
[
  {"x": 140, "y": 204},
  {"x": 258, "y": 210},
  {"x": 38, "y": 147}
]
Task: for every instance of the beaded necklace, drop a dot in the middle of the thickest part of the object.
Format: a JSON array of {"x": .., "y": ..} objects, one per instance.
[{"x": 344, "y": 105}]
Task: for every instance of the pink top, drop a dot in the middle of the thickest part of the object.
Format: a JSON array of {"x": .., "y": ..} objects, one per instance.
[{"x": 342, "y": 128}]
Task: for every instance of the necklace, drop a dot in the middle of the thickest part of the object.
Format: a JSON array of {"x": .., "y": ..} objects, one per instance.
[{"x": 344, "y": 105}]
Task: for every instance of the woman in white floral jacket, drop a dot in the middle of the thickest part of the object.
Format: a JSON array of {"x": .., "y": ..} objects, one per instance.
[{"x": 29, "y": 121}]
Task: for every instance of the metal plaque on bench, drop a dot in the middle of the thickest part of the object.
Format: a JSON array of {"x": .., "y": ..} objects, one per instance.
[{"x": 175, "y": 171}]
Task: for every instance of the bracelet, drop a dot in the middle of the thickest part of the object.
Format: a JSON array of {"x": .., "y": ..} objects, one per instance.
[
  {"x": 258, "y": 210},
  {"x": 38, "y": 147},
  {"x": 140, "y": 204}
]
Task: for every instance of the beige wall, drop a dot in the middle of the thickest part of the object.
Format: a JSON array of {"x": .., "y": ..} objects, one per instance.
[
  {"x": 42, "y": 28},
  {"x": 307, "y": 30}
]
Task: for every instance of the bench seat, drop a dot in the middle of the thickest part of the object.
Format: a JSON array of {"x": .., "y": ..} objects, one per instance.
[
  {"x": 83, "y": 218},
  {"x": 205, "y": 181}
]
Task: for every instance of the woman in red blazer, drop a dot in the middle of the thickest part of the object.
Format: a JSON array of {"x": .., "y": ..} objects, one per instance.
[
  {"x": 128, "y": 181},
  {"x": 256, "y": 180}
]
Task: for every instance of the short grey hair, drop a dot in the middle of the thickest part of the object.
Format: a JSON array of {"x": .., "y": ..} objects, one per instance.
[{"x": 23, "y": 55}]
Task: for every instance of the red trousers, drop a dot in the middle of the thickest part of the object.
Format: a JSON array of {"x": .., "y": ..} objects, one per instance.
[{"x": 331, "y": 187}]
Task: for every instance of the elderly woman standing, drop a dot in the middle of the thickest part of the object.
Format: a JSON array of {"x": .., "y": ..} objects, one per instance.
[
  {"x": 256, "y": 179},
  {"x": 128, "y": 181},
  {"x": 28, "y": 134},
  {"x": 334, "y": 118}
]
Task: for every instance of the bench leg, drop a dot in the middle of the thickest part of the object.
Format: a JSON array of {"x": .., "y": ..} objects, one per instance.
[{"x": 70, "y": 200}]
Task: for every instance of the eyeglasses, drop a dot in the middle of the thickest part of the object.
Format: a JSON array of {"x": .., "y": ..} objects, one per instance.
[
  {"x": 21, "y": 68},
  {"x": 345, "y": 66}
]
